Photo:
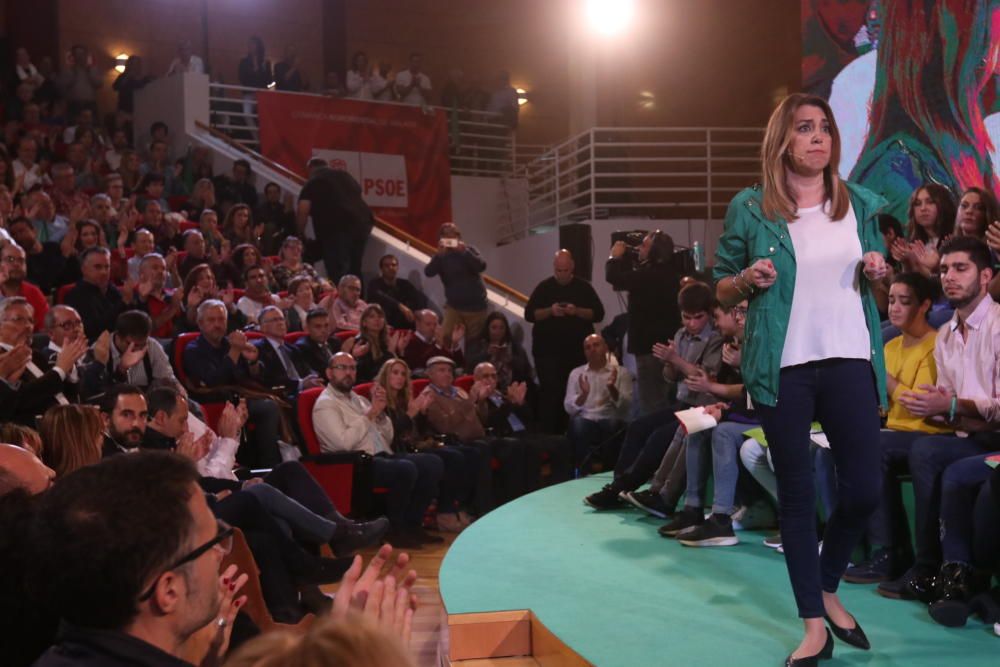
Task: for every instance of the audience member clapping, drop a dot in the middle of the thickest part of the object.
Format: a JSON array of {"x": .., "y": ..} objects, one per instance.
[{"x": 373, "y": 344}]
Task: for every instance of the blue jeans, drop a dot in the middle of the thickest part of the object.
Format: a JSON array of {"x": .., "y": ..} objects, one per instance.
[
  {"x": 412, "y": 480},
  {"x": 969, "y": 517},
  {"x": 585, "y": 434},
  {"x": 926, "y": 458},
  {"x": 724, "y": 442},
  {"x": 841, "y": 395},
  {"x": 305, "y": 524}
]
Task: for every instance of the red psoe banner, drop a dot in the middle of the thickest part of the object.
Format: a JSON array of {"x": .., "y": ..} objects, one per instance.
[{"x": 398, "y": 153}]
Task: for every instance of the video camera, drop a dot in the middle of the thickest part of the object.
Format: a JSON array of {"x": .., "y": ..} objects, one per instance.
[{"x": 682, "y": 259}]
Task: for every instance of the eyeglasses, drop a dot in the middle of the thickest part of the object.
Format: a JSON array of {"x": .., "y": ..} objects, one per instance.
[
  {"x": 14, "y": 259},
  {"x": 343, "y": 367},
  {"x": 739, "y": 312},
  {"x": 272, "y": 320},
  {"x": 69, "y": 325},
  {"x": 19, "y": 319},
  {"x": 223, "y": 540}
]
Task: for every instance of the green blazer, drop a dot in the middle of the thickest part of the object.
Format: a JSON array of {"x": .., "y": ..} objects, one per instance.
[{"x": 749, "y": 236}]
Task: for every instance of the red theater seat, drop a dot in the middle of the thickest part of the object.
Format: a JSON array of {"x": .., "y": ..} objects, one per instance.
[
  {"x": 295, "y": 336},
  {"x": 62, "y": 291},
  {"x": 345, "y": 476}
]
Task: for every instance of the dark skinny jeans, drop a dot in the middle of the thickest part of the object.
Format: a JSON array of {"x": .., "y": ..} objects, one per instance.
[{"x": 841, "y": 395}]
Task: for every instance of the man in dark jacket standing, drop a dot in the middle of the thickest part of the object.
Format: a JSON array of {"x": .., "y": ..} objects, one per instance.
[
  {"x": 460, "y": 267},
  {"x": 652, "y": 285},
  {"x": 563, "y": 309},
  {"x": 341, "y": 218}
]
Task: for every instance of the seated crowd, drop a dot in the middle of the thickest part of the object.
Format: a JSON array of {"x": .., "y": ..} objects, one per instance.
[
  {"x": 132, "y": 320},
  {"x": 940, "y": 430}
]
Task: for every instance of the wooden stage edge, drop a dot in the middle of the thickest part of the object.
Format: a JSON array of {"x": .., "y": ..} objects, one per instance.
[{"x": 505, "y": 639}]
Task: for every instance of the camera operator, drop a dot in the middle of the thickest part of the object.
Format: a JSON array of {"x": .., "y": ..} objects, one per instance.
[{"x": 652, "y": 285}]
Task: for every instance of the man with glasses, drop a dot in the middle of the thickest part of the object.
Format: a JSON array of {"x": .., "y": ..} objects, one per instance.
[
  {"x": 276, "y": 368},
  {"x": 15, "y": 264},
  {"x": 40, "y": 386},
  {"x": 347, "y": 422},
  {"x": 216, "y": 361},
  {"x": 348, "y": 306},
  {"x": 143, "y": 609},
  {"x": 64, "y": 327}
]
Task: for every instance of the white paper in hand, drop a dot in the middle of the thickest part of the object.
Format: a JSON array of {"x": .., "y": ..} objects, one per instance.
[{"x": 694, "y": 420}]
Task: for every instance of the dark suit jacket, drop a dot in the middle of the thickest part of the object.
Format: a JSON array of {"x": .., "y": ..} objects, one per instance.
[
  {"x": 35, "y": 395},
  {"x": 207, "y": 366},
  {"x": 311, "y": 357},
  {"x": 270, "y": 372}
]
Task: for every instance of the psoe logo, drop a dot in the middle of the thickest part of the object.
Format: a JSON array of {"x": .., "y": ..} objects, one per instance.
[{"x": 382, "y": 176}]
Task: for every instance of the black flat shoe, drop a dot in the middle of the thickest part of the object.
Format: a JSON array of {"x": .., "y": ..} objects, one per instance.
[
  {"x": 813, "y": 660},
  {"x": 854, "y": 636}
]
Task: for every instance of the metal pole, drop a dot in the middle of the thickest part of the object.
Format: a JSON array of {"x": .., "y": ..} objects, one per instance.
[{"x": 593, "y": 178}]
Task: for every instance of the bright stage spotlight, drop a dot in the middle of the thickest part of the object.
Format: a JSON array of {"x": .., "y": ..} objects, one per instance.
[{"x": 609, "y": 17}]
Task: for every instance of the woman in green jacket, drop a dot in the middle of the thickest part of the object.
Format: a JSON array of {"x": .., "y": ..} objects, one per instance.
[{"x": 805, "y": 249}]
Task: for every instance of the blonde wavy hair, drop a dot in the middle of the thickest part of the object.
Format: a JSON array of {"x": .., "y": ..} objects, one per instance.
[
  {"x": 354, "y": 641},
  {"x": 775, "y": 161},
  {"x": 70, "y": 436},
  {"x": 398, "y": 400}
]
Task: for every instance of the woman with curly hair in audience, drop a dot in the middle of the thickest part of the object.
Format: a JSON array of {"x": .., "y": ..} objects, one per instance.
[
  {"x": 374, "y": 344},
  {"x": 72, "y": 437},
  {"x": 238, "y": 226},
  {"x": 292, "y": 266},
  {"x": 242, "y": 258},
  {"x": 129, "y": 171},
  {"x": 977, "y": 209},
  {"x": 497, "y": 346},
  {"x": 200, "y": 285}
]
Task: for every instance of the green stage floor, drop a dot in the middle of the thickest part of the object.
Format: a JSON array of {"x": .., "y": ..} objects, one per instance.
[{"x": 621, "y": 595}]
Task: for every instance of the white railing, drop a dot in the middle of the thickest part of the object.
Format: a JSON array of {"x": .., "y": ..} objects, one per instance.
[
  {"x": 479, "y": 144},
  {"x": 637, "y": 172}
]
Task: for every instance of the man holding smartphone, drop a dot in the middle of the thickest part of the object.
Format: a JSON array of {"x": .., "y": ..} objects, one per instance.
[
  {"x": 460, "y": 267},
  {"x": 563, "y": 309}
]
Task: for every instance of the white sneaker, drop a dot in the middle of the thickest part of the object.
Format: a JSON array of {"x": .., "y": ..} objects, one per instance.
[{"x": 781, "y": 548}]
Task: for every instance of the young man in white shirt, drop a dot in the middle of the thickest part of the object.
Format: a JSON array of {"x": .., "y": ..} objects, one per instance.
[{"x": 966, "y": 354}]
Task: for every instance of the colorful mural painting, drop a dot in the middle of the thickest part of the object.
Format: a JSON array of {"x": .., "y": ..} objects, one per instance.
[{"x": 913, "y": 87}]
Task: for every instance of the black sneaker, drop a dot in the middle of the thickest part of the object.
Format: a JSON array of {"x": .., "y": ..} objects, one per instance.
[
  {"x": 717, "y": 531},
  {"x": 916, "y": 584},
  {"x": 875, "y": 570},
  {"x": 649, "y": 502},
  {"x": 348, "y": 538},
  {"x": 689, "y": 519},
  {"x": 605, "y": 499}
]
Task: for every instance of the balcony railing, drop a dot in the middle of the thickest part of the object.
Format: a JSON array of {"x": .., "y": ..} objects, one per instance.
[
  {"x": 479, "y": 143},
  {"x": 644, "y": 172}
]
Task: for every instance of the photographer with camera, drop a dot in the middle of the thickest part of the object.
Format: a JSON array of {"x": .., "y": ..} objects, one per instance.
[
  {"x": 460, "y": 267},
  {"x": 652, "y": 284}
]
